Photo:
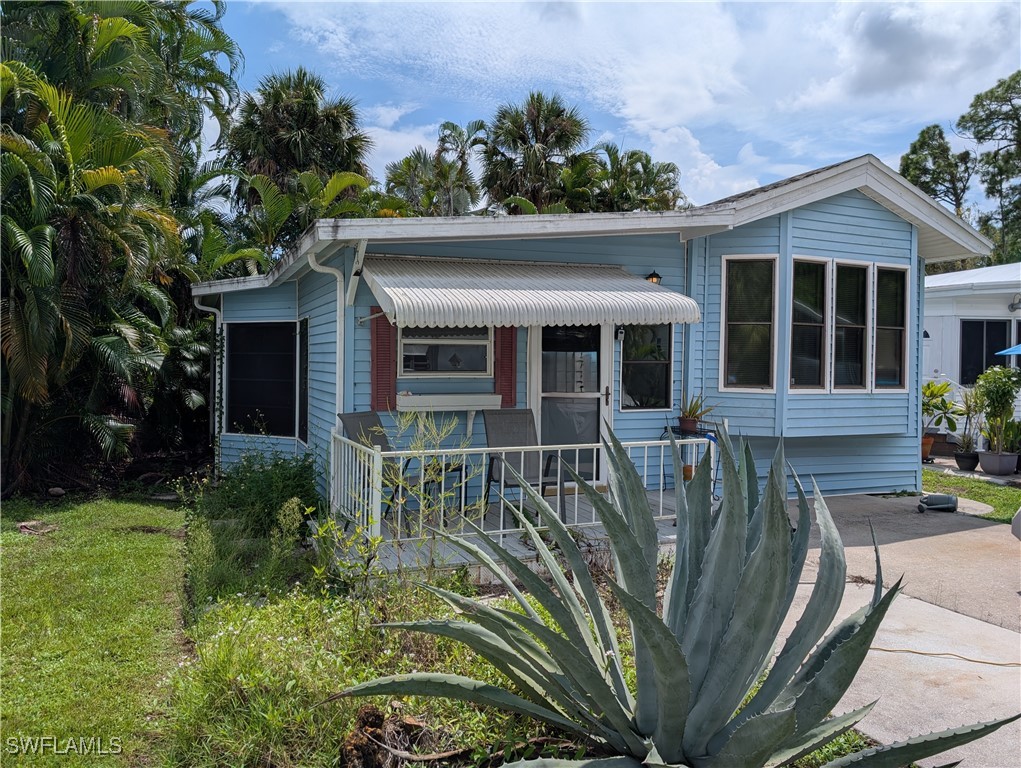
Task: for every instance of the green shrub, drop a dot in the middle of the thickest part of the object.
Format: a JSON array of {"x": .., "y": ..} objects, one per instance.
[
  {"x": 257, "y": 486},
  {"x": 699, "y": 696}
]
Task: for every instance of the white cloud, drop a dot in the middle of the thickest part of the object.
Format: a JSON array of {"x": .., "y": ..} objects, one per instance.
[{"x": 733, "y": 93}]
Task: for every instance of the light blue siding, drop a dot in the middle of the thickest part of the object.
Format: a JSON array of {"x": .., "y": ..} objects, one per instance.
[
  {"x": 317, "y": 300},
  {"x": 264, "y": 305},
  {"x": 234, "y": 446}
]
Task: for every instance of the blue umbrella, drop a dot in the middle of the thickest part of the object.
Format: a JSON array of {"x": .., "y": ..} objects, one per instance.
[{"x": 1015, "y": 350}]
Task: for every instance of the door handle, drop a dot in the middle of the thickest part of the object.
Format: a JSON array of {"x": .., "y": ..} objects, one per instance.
[{"x": 607, "y": 396}]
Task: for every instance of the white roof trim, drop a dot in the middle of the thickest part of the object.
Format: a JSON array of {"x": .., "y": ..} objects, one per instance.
[{"x": 459, "y": 293}]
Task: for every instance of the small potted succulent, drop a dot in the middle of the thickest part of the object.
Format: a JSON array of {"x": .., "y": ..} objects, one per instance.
[
  {"x": 997, "y": 388},
  {"x": 936, "y": 411},
  {"x": 693, "y": 410},
  {"x": 966, "y": 454}
]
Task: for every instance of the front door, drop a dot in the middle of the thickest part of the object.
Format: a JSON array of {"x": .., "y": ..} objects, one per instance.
[{"x": 573, "y": 390}]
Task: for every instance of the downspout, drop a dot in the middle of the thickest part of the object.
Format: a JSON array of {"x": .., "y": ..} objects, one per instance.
[
  {"x": 338, "y": 380},
  {"x": 216, "y": 422}
]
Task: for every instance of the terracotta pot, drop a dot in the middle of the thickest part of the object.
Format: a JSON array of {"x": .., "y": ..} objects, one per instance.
[
  {"x": 927, "y": 441},
  {"x": 688, "y": 426},
  {"x": 998, "y": 463},
  {"x": 689, "y": 472},
  {"x": 966, "y": 461}
]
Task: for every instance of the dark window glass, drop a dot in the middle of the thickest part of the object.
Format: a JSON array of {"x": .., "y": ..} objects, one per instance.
[
  {"x": 849, "y": 330},
  {"x": 303, "y": 380},
  {"x": 444, "y": 350},
  {"x": 645, "y": 367},
  {"x": 808, "y": 324},
  {"x": 980, "y": 341},
  {"x": 891, "y": 330},
  {"x": 261, "y": 368},
  {"x": 749, "y": 324},
  {"x": 570, "y": 358}
]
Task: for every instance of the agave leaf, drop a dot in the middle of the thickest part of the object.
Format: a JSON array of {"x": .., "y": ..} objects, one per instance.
[
  {"x": 486, "y": 559},
  {"x": 822, "y": 734},
  {"x": 670, "y": 668},
  {"x": 599, "y": 762},
  {"x": 919, "y": 747},
  {"x": 722, "y": 566},
  {"x": 755, "y": 740},
  {"x": 696, "y": 501},
  {"x": 628, "y": 490},
  {"x": 605, "y": 630},
  {"x": 749, "y": 639},
  {"x": 877, "y": 592},
  {"x": 459, "y": 688},
  {"x": 799, "y": 542},
  {"x": 633, "y": 570},
  {"x": 588, "y": 678},
  {"x": 830, "y": 670},
  {"x": 556, "y": 605},
  {"x": 750, "y": 491},
  {"x": 818, "y": 614},
  {"x": 675, "y": 610}
]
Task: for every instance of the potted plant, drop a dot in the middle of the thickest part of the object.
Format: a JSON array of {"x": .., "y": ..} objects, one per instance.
[
  {"x": 693, "y": 410},
  {"x": 966, "y": 454},
  {"x": 1012, "y": 440},
  {"x": 997, "y": 388},
  {"x": 936, "y": 411}
]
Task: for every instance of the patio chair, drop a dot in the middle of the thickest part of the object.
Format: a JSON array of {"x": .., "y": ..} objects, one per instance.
[
  {"x": 511, "y": 428},
  {"x": 366, "y": 427}
]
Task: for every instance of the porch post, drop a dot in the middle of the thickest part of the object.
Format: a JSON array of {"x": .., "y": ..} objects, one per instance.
[{"x": 376, "y": 493}]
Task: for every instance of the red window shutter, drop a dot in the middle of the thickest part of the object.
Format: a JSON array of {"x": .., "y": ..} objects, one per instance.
[
  {"x": 505, "y": 353},
  {"x": 384, "y": 362}
]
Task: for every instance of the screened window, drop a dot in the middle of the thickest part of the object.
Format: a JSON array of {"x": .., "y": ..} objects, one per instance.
[
  {"x": 645, "y": 367},
  {"x": 808, "y": 325},
  {"x": 261, "y": 377},
  {"x": 891, "y": 327},
  {"x": 980, "y": 341},
  {"x": 303, "y": 380},
  {"x": 849, "y": 333},
  {"x": 748, "y": 338},
  {"x": 446, "y": 352}
]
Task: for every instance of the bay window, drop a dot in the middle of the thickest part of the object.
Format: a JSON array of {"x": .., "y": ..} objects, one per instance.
[
  {"x": 850, "y": 326},
  {"x": 808, "y": 325},
  {"x": 749, "y": 306}
]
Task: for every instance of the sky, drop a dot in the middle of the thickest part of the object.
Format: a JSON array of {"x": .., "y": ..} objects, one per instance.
[{"x": 736, "y": 94}]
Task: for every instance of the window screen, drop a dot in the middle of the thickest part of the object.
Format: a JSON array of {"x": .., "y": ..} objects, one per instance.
[
  {"x": 645, "y": 367},
  {"x": 446, "y": 351},
  {"x": 808, "y": 324},
  {"x": 891, "y": 330},
  {"x": 261, "y": 368},
  {"x": 749, "y": 323},
  {"x": 980, "y": 341},
  {"x": 850, "y": 326},
  {"x": 303, "y": 380}
]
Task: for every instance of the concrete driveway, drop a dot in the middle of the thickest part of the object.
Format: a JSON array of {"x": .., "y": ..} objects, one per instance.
[{"x": 949, "y": 651}]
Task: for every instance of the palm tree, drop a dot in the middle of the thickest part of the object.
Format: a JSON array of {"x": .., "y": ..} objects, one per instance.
[
  {"x": 528, "y": 145},
  {"x": 288, "y": 126},
  {"x": 631, "y": 181}
]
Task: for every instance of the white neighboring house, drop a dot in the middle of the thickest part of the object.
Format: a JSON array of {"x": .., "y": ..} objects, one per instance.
[{"x": 969, "y": 317}]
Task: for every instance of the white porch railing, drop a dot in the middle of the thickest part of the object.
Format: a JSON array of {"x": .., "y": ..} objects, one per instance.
[{"x": 403, "y": 494}]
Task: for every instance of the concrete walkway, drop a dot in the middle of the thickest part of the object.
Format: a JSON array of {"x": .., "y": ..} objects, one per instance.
[{"x": 962, "y": 596}]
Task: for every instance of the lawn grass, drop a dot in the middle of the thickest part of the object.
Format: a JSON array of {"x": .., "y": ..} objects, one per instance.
[
  {"x": 91, "y": 618},
  {"x": 1005, "y": 500}
]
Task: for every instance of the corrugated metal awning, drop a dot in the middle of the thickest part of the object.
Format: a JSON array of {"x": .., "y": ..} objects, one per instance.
[{"x": 458, "y": 293}]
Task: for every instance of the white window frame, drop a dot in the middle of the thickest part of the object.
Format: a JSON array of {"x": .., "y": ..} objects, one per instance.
[
  {"x": 722, "y": 364},
  {"x": 827, "y": 327},
  {"x": 873, "y": 387},
  {"x": 670, "y": 378},
  {"x": 488, "y": 373}
]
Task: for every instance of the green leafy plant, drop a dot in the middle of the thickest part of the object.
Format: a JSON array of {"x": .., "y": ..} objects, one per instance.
[
  {"x": 705, "y": 692},
  {"x": 1012, "y": 436},
  {"x": 695, "y": 407},
  {"x": 998, "y": 388},
  {"x": 937, "y": 409},
  {"x": 971, "y": 410}
]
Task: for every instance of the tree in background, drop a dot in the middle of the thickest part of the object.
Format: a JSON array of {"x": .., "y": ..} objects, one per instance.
[
  {"x": 993, "y": 122},
  {"x": 289, "y": 126}
]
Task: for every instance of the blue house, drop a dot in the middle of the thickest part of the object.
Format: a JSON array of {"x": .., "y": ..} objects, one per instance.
[{"x": 794, "y": 308}]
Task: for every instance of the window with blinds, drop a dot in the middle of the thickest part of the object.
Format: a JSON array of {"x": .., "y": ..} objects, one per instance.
[
  {"x": 808, "y": 325},
  {"x": 891, "y": 328},
  {"x": 850, "y": 326},
  {"x": 748, "y": 328}
]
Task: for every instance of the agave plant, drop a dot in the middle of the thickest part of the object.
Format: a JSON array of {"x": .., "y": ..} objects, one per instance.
[{"x": 708, "y": 691}]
